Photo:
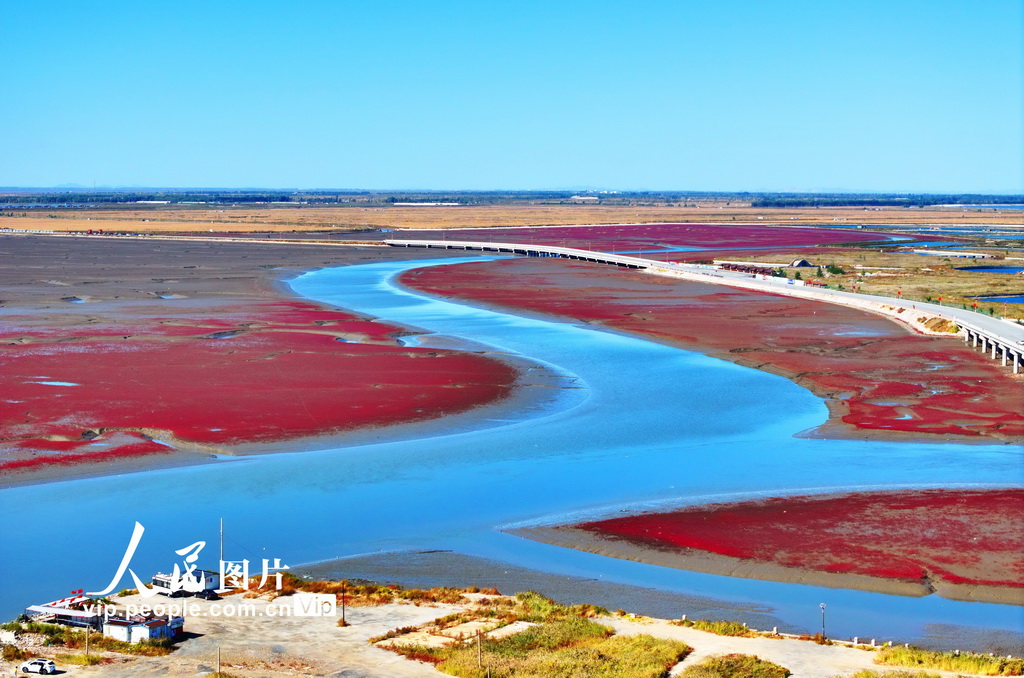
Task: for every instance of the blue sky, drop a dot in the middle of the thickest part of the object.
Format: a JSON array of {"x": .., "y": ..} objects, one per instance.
[{"x": 684, "y": 95}]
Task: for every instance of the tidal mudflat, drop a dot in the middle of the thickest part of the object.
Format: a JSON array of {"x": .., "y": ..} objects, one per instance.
[
  {"x": 643, "y": 425},
  {"x": 179, "y": 352},
  {"x": 960, "y": 544}
]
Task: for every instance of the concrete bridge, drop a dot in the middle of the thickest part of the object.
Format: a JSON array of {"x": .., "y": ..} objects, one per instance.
[
  {"x": 621, "y": 260},
  {"x": 998, "y": 347},
  {"x": 1002, "y": 339}
]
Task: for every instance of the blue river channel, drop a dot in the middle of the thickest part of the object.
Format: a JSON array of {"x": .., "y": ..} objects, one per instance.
[{"x": 644, "y": 426}]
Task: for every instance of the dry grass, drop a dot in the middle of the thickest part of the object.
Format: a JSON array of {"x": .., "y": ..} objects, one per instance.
[
  {"x": 950, "y": 661},
  {"x": 721, "y": 628},
  {"x": 558, "y": 640},
  {"x": 735, "y": 666},
  {"x": 362, "y": 595},
  {"x": 565, "y": 648},
  {"x": 278, "y": 219}
]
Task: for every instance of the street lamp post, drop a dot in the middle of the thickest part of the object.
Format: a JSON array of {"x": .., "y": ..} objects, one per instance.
[{"x": 822, "y": 621}]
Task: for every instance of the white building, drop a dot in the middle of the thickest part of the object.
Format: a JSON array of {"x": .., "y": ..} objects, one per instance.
[{"x": 131, "y": 631}]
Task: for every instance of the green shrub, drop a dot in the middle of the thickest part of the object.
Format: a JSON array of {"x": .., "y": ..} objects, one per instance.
[
  {"x": 538, "y": 608},
  {"x": 45, "y": 629},
  {"x": 950, "y": 661},
  {"x": 735, "y": 666},
  {"x": 10, "y": 653},
  {"x": 549, "y": 636},
  {"x": 74, "y": 639},
  {"x": 564, "y": 643},
  {"x": 564, "y": 655}
]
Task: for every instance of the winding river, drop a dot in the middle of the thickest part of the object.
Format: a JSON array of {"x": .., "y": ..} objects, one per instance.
[{"x": 646, "y": 425}]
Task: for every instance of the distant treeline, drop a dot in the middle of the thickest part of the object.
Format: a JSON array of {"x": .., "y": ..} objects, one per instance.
[
  {"x": 81, "y": 198},
  {"x": 883, "y": 200},
  {"x": 185, "y": 198},
  {"x": 121, "y": 197}
]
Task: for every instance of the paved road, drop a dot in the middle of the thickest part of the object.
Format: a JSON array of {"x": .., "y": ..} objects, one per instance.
[{"x": 1009, "y": 330}]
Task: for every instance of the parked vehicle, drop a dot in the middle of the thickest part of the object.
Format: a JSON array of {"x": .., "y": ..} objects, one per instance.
[
  {"x": 41, "y": 666},
  {"x": 208, "y": 594}
]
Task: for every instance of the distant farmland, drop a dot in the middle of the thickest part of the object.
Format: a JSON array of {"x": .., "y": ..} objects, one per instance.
[{"x": 251, "y": 218}]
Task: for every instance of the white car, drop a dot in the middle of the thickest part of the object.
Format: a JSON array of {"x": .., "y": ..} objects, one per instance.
[{"x": 41, "y": 666}]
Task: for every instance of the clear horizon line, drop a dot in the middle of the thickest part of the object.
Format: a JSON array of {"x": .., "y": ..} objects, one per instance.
[{"x": 86, "y": 189}]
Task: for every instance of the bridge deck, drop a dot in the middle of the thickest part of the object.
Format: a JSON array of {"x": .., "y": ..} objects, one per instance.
[{"x": 1002, "y": 338}]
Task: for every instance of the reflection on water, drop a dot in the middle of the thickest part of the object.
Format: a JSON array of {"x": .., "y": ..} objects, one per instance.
[{"x": 654, "y": 426}]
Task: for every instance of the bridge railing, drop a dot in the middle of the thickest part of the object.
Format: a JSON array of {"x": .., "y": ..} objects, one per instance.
[{"x": 998, "y": 334}]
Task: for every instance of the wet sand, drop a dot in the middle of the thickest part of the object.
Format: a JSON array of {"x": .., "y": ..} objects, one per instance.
[
  {"x": 124, "y": 355},
  {"x": 958, "y": 544},
  {"x": 424, "y": 569}
]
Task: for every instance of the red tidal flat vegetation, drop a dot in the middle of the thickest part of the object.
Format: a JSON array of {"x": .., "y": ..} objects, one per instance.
[
  {"x": 657, "y": 236},
  {"x": 954, "y": 536},
  {"x": 232, "y": 375},
  {"x": 879, "y": 378}
]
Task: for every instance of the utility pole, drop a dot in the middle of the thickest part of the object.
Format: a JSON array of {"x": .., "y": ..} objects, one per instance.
[{"x": 822, "y": 621}]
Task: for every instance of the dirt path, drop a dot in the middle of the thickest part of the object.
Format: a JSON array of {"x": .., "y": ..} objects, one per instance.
[
  {"x": 803, "y": 658},
  {"x": 261, "y": 644}
]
